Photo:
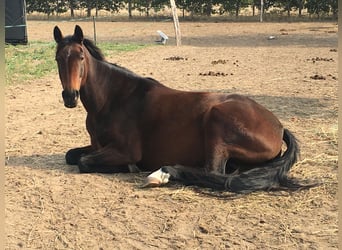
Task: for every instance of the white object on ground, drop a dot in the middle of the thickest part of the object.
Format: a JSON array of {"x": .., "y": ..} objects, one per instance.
[
  {"x": 156, "y": 178},
  {"x": 163, "y": 37}
]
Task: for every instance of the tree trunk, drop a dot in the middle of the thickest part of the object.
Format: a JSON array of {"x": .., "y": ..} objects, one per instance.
[
  {"x": 209, "y": 8},
  {"x": 148, "y": 7},
  {"x": 129, "y": 9},
  {"x": 237, "y": 9},
  {"x": 72, "y": 6},
  {"x": 300, "y": 8}
]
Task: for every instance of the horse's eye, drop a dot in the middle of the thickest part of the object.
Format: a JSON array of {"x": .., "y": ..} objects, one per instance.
[{"x": 81, "y": 56}]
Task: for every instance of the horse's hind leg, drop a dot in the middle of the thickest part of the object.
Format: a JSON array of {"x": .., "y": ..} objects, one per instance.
[
  {"x": 73, "y": 155},
  {"x": 216, "y": 149},
  {"x": 241, "y": 132},
  {"x": 217, "y": 156}
]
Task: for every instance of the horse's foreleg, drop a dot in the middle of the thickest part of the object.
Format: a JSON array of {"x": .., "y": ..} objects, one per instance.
[
  {"x": 108, "y": 160},
  {"x": 73, "y": 155}
]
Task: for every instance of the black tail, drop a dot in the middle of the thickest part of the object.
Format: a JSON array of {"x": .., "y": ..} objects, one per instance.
[{"x": 272, "y": 175}]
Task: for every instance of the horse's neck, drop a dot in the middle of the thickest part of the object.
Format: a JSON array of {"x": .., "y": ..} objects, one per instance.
[
  {"x": 104, "y": 83},
  {"x": 92, "y": 92}
]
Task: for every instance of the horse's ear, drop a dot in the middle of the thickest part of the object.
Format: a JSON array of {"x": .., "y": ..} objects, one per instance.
[
  {"x": 78, "y": 34},
  {"x": 57, "y": 34}
]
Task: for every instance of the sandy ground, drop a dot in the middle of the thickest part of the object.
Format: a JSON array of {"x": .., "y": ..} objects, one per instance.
[{"x": 49, "y": 205}]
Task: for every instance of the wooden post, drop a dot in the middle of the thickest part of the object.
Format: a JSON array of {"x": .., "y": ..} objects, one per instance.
[
  {"x": 94, "y": 24},
  {"x": 176, "y": 22}
]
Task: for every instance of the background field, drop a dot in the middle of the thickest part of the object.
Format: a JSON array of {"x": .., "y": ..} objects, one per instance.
[{"x": 49, "y": 205}]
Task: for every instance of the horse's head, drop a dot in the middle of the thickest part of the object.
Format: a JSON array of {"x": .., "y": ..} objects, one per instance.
[{"x": 70, "y": 57}]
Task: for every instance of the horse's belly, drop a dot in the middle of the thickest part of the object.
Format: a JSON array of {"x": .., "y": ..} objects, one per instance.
[{"x": 173, "y": 146}]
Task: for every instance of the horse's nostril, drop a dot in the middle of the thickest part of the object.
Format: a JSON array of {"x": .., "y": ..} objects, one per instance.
[
  {"x": 77, "y": 94},
  {"x": 70, "y": 98},
  {"x": 64, "y": 94}
]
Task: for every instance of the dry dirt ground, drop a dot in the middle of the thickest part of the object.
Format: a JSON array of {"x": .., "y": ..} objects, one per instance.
[{"x": 49, "y": 205}]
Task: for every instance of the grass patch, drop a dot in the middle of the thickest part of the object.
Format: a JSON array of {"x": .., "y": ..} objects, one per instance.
[
  {"x": 109, "y": 49},
  {"x": 28, "y": 62},
  {"x": 37, "y": 59}
]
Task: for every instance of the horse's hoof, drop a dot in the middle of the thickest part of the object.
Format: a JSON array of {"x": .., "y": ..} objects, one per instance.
[
  {"x": 156, "y": 179},
  {"x": 70, "y": 161},
  {"x": 70, "y": 158}
]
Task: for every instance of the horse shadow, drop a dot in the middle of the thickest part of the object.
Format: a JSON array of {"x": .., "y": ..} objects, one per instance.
[
  {"x": 262, "y": 40},
  {"x": 288, "y": 107},
  {"x": 56, "y": 163}
]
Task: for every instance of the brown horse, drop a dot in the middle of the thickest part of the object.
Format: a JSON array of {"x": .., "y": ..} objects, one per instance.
[{"x": 215, "y": 140}]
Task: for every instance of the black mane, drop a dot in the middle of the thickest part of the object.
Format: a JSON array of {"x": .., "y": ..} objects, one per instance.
[
  {"x": 97, "y": 54},
  {"x": 93, "y": 50}
]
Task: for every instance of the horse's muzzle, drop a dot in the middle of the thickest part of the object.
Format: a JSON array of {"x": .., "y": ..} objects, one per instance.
[{"x": 70, "y": 98}]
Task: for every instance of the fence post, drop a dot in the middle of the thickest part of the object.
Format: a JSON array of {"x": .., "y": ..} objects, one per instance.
[
  {"x": 176, "y": 22},
  {"x": 94, "y": 29},
  {"x": 261, "y": 9}
]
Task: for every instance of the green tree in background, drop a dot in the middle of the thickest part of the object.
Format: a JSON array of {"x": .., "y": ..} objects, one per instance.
[
  {"x": 233, "y": 6},
  {"x": 194, "y": 7},
  {"x": 46, "y": 7},
  {"x": 321, "y": 7}
]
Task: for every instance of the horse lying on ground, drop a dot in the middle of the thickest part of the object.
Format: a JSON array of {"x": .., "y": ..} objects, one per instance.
[{"x": 216, "y": 140}]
